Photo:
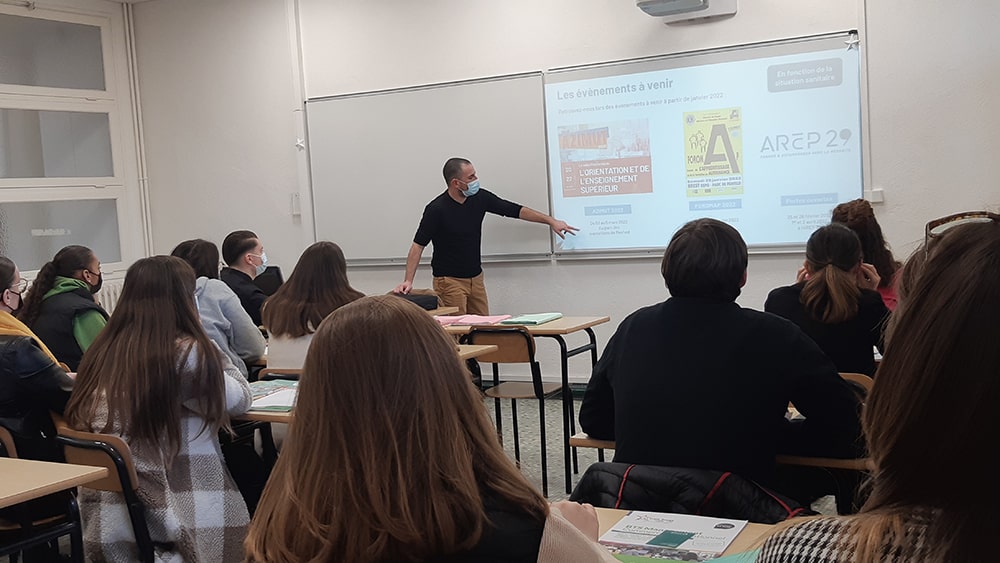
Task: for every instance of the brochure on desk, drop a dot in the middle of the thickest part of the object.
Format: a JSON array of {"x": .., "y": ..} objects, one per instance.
[
  {"x": 277, "y": 395},
  {"x": 673, "y": 537}
]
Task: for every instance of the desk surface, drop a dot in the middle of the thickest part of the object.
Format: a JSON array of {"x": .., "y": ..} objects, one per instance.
[
  {"x": 443, "y": 311},
  {"x": 565, "y": 325},
  {"x": 743, "y": 542},
  {"x": 469, "y": 351},
  {"x": 25, "y": 479}
]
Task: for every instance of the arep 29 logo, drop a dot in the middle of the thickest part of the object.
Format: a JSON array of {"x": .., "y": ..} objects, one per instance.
[{"x": 805, "y": 141}]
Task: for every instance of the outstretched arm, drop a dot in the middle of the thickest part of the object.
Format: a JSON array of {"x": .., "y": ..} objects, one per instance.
[
  {"x": 558, "y": 227},
  {"x": 412, "y": 261}
]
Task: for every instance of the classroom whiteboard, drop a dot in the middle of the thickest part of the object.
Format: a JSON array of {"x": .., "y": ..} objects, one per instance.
[{"x": 376, "y": 160}]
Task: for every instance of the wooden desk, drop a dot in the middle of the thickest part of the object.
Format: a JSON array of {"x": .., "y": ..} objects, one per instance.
[
  {"x": 743, "y": 542},
  {"x": 582, "y": 440},
  {"x": 442, "y": 311},
  {"x": 469, "y": 351},
  {"x": 26, "y": 479},
  {"x": 556, "y": 330},
  {"x": 465, "y": 352},
  {"x": 262, "y": 361}
]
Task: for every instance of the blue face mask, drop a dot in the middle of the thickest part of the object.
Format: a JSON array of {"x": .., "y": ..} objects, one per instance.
[
  {"x": 472, "y": 188},
  {"x": 263, "y": 263}
]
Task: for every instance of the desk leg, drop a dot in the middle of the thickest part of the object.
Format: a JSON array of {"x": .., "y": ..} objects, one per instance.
[{"x": 567, "y": 400}]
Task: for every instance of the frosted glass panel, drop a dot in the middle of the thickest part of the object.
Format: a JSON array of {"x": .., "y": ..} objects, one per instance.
[
  {"x": 37, "y": 52},
  {"x": 31, "y": 232},
  {"x": 54, "y": 144}
]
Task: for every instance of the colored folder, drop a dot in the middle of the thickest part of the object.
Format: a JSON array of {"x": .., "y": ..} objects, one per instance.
[{"x": 532, "y": 319}]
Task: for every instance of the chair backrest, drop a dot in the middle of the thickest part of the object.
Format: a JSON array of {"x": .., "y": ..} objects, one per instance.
[
  {"x": 7, "y": 442},
  {"x": 267, "y": 374},
  {"x": 270, "y": 280},
  {"x": 98, "y": 450},
  {"x": 515, "y": 344},
  {"x": 861, "y": 382}
]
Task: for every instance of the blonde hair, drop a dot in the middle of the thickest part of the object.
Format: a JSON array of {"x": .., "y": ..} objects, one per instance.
[{"x": 391, "y": 451}]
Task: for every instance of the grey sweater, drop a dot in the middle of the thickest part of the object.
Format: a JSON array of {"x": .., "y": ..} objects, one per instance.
[{"x": 227, "y": 323}]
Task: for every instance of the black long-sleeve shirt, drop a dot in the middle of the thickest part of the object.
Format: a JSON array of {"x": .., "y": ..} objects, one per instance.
[
  {"x": 456, "y": 229},
  {"x": 706, "y": 384},
  {"x": 251, "y": 297},
  {"x": 848, "y": 344}
]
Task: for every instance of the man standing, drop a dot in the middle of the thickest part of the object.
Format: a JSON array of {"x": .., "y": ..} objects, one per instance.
[
  {"x": 244, "y": 254},
  {"x": 453, "y": 221},
  {"x": 699, "y": 382}
]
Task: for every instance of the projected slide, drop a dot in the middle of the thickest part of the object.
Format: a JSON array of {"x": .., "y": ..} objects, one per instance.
[{"x": 768, "y": 144}]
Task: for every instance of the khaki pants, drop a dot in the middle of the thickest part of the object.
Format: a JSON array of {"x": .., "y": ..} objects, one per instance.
[{"x": 468, "y": 294}]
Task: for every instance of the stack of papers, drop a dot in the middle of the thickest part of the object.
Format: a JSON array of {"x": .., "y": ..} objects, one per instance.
[
  {"x": 464, "y": 320},
  {"x": 532, "y": 319},
  {"x": 275, "y": 396},
  {"x": 681, "y": 537}
]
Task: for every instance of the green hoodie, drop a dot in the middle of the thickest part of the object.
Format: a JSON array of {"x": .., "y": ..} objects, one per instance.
[{"x": 86, "y": 326}]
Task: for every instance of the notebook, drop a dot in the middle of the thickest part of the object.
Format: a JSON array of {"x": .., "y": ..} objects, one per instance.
[
  {"x": 464, "y": 320},
  {"x": 532, "y": 319}
]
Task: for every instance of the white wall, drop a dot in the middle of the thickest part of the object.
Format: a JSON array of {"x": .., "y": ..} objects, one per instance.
[
  {"x": 217, "y": 92},
  {"x": 218, "y": 102}
]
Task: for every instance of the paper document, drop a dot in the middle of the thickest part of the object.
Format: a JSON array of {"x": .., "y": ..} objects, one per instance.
[
  {"x": 278, "y": 395},
  {"x": 462, "y": 320},
  {"x": 659, "y": 535},
  {"x": 532, "y": 319}
]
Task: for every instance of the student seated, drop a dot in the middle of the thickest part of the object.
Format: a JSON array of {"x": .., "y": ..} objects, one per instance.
[
  {"x": 61, "y": 308},
  {"x": 834, "y": 300},
  {"x": 405, "y": 465},
  {"x": 222, "y": 316},
  {"x": 859, "y": 216},
  {"x": 929, "y": 420},
  {"x": 244, "y": 254},
  {"x": 31, "y": 381},
  {"x": 697, "y": 381},
  {"x": 154, "y": 378},
  {"x": 316, "y": 288}
]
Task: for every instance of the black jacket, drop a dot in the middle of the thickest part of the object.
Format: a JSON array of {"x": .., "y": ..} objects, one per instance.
[
  {"x": 31, "y": 385},
  {"x": 251, "y": 297},
  {"x": 683, "y": 491},
  {"x": 706, "y": 384}
]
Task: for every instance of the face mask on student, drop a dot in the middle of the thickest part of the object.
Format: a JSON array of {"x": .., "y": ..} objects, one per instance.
[
  {"x": 12, "y": 307},
  {"x": 263, "y": 263},
  {"x": 471, "y": 188},
  {"x": 100, "y": 281}
]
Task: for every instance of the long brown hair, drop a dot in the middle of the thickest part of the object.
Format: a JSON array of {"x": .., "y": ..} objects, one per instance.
[
  {"x": 391, "y": 451},
  {"x": 932, "y": 416},
  {"x": 137, "y": 361},
  {"x": 66, "y": 263},
  {"x": 859, "y": 216},
  {"x": 317, "y": 287},
  {"x": 831, "y": 294},
  {"x": 202, "y": 255}
]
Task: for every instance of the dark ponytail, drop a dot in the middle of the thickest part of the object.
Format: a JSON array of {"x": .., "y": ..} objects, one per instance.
[
  {"x": 831, "y": 294},
  {"x": 68, "y": 261},
  {"x": 6, "y": 273}
]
